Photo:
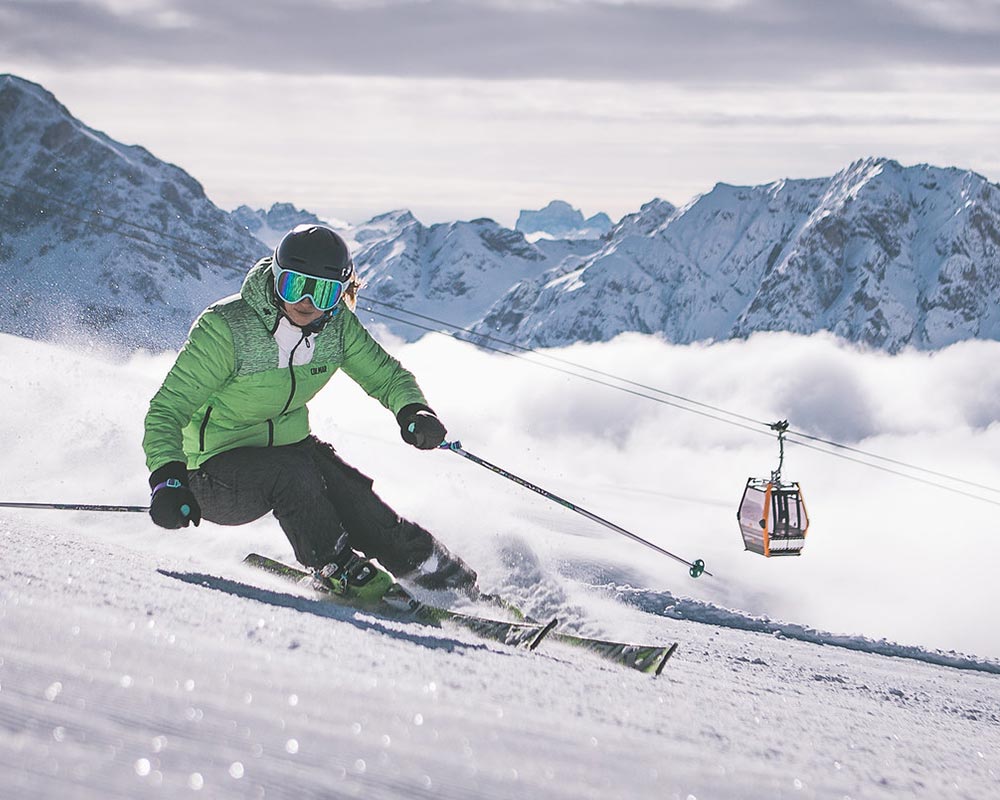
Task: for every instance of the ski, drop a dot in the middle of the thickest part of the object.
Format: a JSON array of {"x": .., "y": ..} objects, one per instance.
[
  {"x": 526, "y": 632},
  {"x": 649, "y": 659},
  {"x": 400, "y": 604}
]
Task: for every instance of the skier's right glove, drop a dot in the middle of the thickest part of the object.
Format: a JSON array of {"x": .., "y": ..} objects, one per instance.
[{"x": 172, "y": 504}]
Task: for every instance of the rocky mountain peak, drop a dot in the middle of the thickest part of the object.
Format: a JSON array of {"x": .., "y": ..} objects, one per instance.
[{"x": 132, "y": 242}]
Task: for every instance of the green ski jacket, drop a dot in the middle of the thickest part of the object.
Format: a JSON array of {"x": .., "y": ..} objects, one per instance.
[{"x": 227, "y": 388}]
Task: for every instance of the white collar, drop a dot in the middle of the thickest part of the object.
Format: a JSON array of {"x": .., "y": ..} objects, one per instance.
[{"x": 293, "y": 339}]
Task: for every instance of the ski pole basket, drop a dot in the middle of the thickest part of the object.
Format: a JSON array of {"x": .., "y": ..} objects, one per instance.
[{"x": 772, "y": 513}]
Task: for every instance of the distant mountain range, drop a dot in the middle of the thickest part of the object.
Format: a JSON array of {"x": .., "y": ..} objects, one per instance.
[
  {"x": 559, "y": 220},
  {"x": 99, "y": 239},
  {"x": 880, "y": 254},
  {"x": 452, "y": 271}
]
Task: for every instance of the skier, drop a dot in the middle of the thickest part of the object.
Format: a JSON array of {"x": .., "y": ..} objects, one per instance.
[{"x": 227, "y": 435}]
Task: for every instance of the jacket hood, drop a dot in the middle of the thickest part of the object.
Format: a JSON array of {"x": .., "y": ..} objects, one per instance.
[{"x": 258, "y": 290}]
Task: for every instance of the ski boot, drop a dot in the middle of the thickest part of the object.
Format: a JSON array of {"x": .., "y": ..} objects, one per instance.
[{"x": 352, "y": 576}]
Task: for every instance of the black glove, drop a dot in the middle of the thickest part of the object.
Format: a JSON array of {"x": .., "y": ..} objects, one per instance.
[
  {"x": 172, "y": 504},
  {"x": 419, "y": 426}
]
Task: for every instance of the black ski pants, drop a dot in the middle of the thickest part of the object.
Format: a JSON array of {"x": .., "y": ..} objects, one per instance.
[{"x": 316, "y": 497}]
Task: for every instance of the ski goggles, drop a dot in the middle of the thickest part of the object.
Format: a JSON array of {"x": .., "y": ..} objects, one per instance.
[{"x": 293, "y": 287}]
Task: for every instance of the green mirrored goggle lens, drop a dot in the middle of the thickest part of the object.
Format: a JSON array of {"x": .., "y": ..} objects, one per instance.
[{"x": 292, "y": 287}]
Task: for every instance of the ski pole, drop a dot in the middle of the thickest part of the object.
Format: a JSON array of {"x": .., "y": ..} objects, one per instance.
[
  {"x": 75, "y": 507},
  {"x": 697, "y": 567}
]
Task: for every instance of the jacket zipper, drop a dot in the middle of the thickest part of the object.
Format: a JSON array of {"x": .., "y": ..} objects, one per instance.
[
  {"x": 204, "y": 425},
  {"x": 291, "y": 372},
  {"x": 291, "y": 394}
]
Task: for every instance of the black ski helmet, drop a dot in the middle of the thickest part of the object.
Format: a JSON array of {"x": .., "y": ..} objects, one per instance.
[{"x": 315, "y": 250}]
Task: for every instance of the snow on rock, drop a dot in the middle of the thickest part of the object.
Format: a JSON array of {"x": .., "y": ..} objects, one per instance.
[
  {"x": 269, "y": 226},
  {"x": 102, "y": 241},
  {"x": 450, "y": 271},
  {"x": 883, "y": 255}
]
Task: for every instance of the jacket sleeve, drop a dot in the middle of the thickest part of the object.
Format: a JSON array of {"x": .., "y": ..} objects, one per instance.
[
  {"x": 374, "y": 370},
  {"x": 203, "y": 366}
]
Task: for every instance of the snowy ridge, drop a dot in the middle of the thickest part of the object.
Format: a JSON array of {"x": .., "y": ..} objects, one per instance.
[
  {"x": 101, "y": 241},
  {"x": 269, "y": 226},
  {"x": 880, "y": 254},
  {"x": 666, "y": 605},
  {"x": 451, "y": 271}
]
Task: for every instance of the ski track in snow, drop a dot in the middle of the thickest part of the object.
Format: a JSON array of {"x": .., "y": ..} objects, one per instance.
[{"x": 132, "y": 669}]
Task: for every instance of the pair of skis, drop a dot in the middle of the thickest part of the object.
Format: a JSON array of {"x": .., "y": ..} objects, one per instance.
[{"x": 397, "y": 602}]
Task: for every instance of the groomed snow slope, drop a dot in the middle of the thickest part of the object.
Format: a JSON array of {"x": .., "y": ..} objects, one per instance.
[{"x": 129, "y": 672}]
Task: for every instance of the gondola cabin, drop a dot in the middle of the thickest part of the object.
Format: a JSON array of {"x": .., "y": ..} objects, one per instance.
[{"x": 772, "y": 517}]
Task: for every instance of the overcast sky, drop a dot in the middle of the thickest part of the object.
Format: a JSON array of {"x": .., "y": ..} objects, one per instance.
[{"x": 466, "y": 108}]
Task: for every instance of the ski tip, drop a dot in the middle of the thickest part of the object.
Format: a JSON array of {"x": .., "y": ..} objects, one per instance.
[
  {"x": 666, "y": 657},
  {"x": 543, "y": 633}
]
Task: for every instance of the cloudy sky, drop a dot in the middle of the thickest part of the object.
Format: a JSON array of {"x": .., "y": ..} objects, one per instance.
[{"x": 467, "y": 108}]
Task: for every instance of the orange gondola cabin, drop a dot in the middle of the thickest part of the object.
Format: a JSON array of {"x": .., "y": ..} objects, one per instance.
[
  {"x": 772, "y": 513},
  {"x": 773, "y": 518}
]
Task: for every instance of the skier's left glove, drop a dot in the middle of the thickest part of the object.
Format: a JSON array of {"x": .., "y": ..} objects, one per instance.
[
  {"x": 419, "y": 426},
  {"x": 172, "y": 504}
]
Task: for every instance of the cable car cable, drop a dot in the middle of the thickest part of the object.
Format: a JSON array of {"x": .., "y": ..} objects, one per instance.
[
  {"x": 891, "y": 460},
  {"x": 896, "y": 472},
  {"x": 454, "y": 326},
  {"x": 800, "y": 434},
  {"x": 568, "y": 372},
  {"x": 720, "y": 419}
]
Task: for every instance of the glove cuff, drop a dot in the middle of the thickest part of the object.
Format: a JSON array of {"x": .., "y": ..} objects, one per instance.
[
  {"x": 173, "y": 470},
  {"x": 406, "y": 414}
]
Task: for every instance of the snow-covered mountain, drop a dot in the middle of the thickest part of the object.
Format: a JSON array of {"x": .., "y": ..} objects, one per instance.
[
  {"x": 881, "y": 254},
  {"x": 100, "y": 240},
  {"x": 269, "y": 226},
  {"x": 450, "y": 271},
  {"x": 559, "y": 220}
]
